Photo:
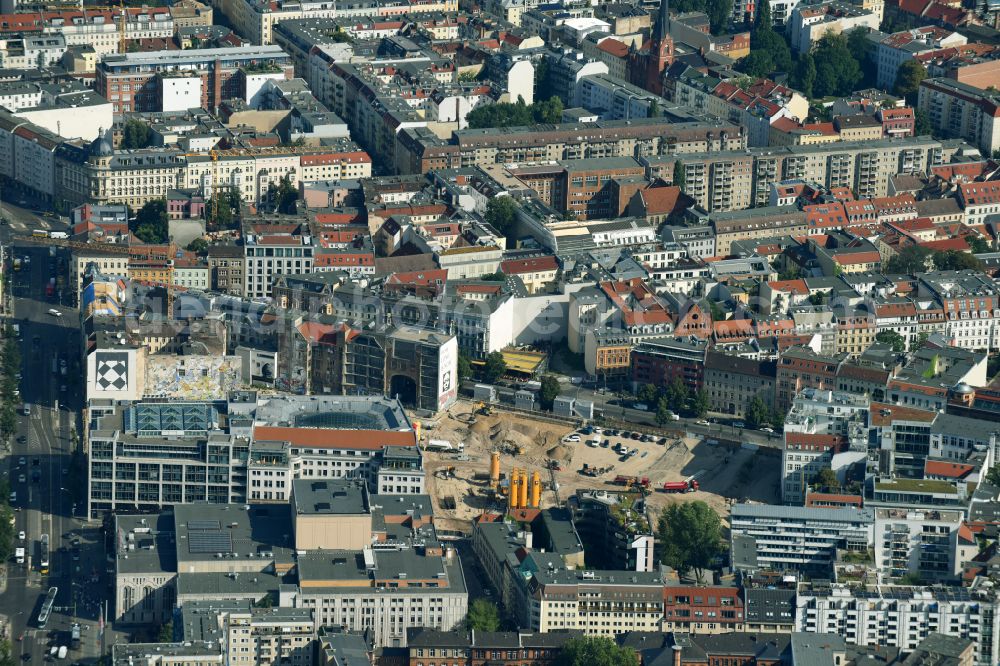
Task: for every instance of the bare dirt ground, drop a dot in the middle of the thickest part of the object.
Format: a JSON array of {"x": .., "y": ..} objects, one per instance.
[{"x": 724, "y": 473}]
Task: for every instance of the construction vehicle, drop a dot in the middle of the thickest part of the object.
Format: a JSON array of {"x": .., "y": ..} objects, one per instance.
[
  {"x": 587, "y": 470},
  {"x": 553, "y": 465},
  {"x": 688, "y": 486},
  {"x": 630, "y": 481}
]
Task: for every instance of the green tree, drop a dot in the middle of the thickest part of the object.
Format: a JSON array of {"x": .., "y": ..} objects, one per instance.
[
  {"x": 339, "y": 36},
  {"x": 541, "y": 76},
  {"x": 595, "y": 651},
  {"x": 6, "y": 653},
  {"x": 647, "y": 393},
  {"x": 654, "y": 109},
  {"x": 664, "y": 414},
  {"x": 977, "y": 244},
  {"x": 805, "y": 74},
  {"x": 993, "y": 476},
  {"x": 864, "y": 52},
  {"x": 284, "y": 196},
  {"x": 135, "y": 134},
  {"x": 495, "y": 367},
  {"x": 953, "y": 260},
  {"x": 699, "y": 404},
  {"x": 922, "y": 124},
  {"x": 6, "y": 530},
  {"x": 166, "y": 633},
  {"x": 691, "y": 536},
  {"x": 199, "y": 246},
  {"x": 483, "y": 616},
  {"x": 8, "y": 421},
  {"x": 719, "y": 14},
  {"x": 825, "y": 478},
  {"x": 677, "y": 394},
  {"x": 911, "y": 259},
  {"x": 893, "y": 339},
  {"x": 763, "y": 18},
  {"x": 550, "y": 111},
  {"x": 908, "y": 78},
  {"x": 501, "y": 214},
  {"x": 493, "y": 277},
  {"x": 758, "y": 63},
  {"x": 549, "y": 391},
  {"x": 224, "y": 215},
  {"x": 264, "y": 602},
  {"x": 464, "y": 367},
  {"x": 757, "y": 412},
  {"x": 837, "y": 70},
  {"x": 680, "y": 178},
  {"x": 151, "y": 223}
]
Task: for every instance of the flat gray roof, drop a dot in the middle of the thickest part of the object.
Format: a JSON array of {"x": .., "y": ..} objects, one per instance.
[{"x": 331, "y": 497}]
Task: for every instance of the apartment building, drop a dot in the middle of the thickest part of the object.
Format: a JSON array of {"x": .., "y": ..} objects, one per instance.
[
  {"x": 200, "y": 78},
  {"x": 732, "y": 382},
  {"x": 962, "y": 111},
  {"x": 204, "y": 653},
  {"x": 824, "y": 429},
  {"x": 971, "y": 303},
  {"x": 503, "y": 648},
  {"x": 800, "y": 368},
  {"x": 97, "y": 28},
  {"x": 676, "y": 131},
  {"x": 702, "y": 609},
  {"x": 273, "y": 247},
  {"x": 932, "y": 545},
  {"x": 895, "y": 49},
  {"x": 384, "y": 590},
  {"x": 808, "y": 24},
  {"x": 901, "y": 617},
  {"x": 797, "y": 538},
  {"x": 979, "y": 200},
  {"x": 733, "y": 181},
  {"x": 597, "y": 602},
  {"x": 251, "y": 636},
  {"x": 614, "y": 528},
  {"x": 757, "y": 106}
]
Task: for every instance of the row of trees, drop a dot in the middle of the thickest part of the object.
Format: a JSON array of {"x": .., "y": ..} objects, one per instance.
[
  {"x": 8, "y": 428},
  {"x": 674, "y": 398},
  {"x": 516, "y": 114},
  {"x": 917, "y": 259},
  {"x": 837, "y": 65}
]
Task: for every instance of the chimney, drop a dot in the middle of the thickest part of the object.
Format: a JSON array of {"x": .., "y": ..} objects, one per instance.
[{"x": 677, "y": 655}]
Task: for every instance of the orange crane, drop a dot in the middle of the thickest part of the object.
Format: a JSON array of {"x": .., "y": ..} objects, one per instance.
[{"x": 122, "y": 42}]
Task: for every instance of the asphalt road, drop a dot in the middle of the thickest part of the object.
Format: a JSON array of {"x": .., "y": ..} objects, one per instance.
[{"x": 44, "y": 504}]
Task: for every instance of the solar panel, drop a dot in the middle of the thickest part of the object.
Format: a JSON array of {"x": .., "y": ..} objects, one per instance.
[
  {"x": 204, "y": 525},
  {"x": 210, "y": 542}
]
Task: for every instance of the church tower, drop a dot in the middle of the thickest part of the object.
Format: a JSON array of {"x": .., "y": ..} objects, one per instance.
[{"x": 646, "y": 66}]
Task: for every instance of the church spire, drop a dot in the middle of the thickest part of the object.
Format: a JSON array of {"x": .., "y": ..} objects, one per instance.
[{"x": 662, "y": 22}]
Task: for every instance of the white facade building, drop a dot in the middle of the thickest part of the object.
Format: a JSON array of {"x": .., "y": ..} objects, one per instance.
[{"x": 901, "y": 617}]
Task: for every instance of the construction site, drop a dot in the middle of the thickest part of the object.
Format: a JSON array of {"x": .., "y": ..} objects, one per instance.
[{"x": 512, "y": 461}]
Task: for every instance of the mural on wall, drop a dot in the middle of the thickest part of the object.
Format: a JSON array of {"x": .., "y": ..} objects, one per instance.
[{"x": 112, "y": 371}]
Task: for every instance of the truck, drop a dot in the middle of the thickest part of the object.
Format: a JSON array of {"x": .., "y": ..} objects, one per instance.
[
  {"x": 74, "y": 636},
  {"x": 19, "y": 555},
  {"x": 58, "y": 234},
  {"x": 688, "y": 486},
  {"x": 17, "y": 263},
  {"x": 629, "y": 481},
  {"x": 50, "y": 289},
  {"x": 443, "y": 445}
]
